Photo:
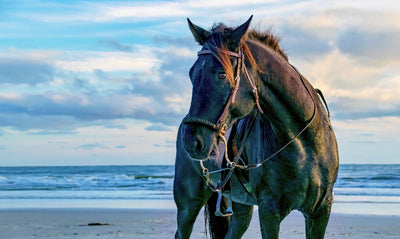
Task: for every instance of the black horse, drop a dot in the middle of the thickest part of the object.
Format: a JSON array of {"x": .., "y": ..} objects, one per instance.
[{"x": 283, "y": 154}]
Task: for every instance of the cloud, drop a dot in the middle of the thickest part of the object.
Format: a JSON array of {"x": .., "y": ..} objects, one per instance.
[
  {"x": 24, "y": 71},
  {"x": 170, "y": 94},
  {"x": 54, "y": 132},
  {"x": 369, "y": 32},
  {"x": 185, "y": 42},
  {"x": 142, "y": 60},
  {"x": 144, "y": 10},
  {"x": 158, "y": 127},
  {"x": 377, "y": 129},
  {"x": 377, "y": 47},
  {"x": 92, "y": 146},
  {"x": 151, "y": 83},
  {"x": 104, "y": 11},
  {"x": 24, "y": 122},
  {"x": 352, "y": 88},
  {"x": 350, "y": 108},
  {"x": 161, "y": 102},
  {"x": 79, "y": 106},
  {"x": 336, "y": 71},
  {"x": 120, "y": 71},
  {"x": 166, "y": 144},
  {"x": 351, "y": 54},
  {"x": 115, "y": 45},
  {"x": 101, "y": 12},
  {"x": 300, "y": 42}
]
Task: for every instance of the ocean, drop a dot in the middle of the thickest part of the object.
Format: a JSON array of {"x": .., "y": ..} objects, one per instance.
[{"x": 362, "y": 189}]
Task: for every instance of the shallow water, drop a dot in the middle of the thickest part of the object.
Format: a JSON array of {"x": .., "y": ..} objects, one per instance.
[{"x": 360, "y": 189}]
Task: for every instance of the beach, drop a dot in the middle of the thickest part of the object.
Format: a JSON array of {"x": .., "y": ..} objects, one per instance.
[
  {"x": 86, "y": 223},
  {"x": 137, "y": 202}
]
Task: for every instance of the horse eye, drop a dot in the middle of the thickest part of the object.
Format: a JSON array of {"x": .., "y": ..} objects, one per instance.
[{"x": 222, "y": 76}]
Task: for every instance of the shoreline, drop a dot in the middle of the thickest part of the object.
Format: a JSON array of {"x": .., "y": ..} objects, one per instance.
[
  {"x": 339, "y": 207},
  {"x": 145, "y": 223}
]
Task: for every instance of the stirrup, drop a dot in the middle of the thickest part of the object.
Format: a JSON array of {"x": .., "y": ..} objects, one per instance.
[{"x": 228, "y": 211}]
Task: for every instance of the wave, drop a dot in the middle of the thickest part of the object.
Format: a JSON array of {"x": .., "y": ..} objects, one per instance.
[
  {"x": 373, "y": 178},
  {"x": 367, "y": 191},
  {"x": 44, "y": 194},
  {"x": 152, "y": 177},
  {"x": 367, "y": 199},
  {"x": 133, "y": 182}
]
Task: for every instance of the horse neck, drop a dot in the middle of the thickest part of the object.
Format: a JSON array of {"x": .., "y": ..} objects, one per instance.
[{"x": 286, "y": 97}]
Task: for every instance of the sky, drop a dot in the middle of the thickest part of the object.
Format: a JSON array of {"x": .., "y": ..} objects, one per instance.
[{"x": 106, "y": 82}]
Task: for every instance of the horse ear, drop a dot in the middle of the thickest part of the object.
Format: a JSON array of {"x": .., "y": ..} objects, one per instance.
[
  {"x": 240, "y": 31},
  {"x": 200, "y": 35}
]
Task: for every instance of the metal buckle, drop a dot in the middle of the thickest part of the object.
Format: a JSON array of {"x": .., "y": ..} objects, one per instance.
[
  {"x": 228, "y": 211},
  {"x": 223, "y": 129}
]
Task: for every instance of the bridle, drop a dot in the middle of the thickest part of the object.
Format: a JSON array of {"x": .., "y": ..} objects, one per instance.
[{"x": 221, "y": 125}]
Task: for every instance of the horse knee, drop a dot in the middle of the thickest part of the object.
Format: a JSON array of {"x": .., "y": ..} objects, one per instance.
[
  {"x": 316, "y": 222},
  {"x": 240, "y": 220},
  {"x": 270, "y": 219},
  {"x": 269, "y": 209}
]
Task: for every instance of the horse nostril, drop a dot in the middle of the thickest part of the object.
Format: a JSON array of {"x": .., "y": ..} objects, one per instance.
[
  {"x": 194, "y": 142},
  {"x": 198, "y": 144}
]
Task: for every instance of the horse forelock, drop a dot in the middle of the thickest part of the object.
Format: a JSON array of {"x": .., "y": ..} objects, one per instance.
[
  {"x": 219, "y": 40},
  {"x": 219, "y": 43}
]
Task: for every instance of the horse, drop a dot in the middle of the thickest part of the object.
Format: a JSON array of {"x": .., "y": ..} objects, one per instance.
[{"x": 282, "y": 152}]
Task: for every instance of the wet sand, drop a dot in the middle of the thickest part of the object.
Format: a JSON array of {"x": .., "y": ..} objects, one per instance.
[{"x": 161, "y": 223}]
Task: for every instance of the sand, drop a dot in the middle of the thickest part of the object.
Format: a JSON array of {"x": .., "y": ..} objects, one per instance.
[{"x": 161, "y": 223}]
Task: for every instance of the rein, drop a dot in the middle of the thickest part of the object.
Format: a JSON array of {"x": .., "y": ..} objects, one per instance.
[{"x": 253, "y": 166}]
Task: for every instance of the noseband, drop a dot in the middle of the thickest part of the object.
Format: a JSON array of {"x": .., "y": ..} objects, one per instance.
[{"x": 221, "y": 125}]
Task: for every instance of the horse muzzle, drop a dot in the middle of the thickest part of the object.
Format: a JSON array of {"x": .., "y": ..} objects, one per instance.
[{"x": 199, "y": 142}]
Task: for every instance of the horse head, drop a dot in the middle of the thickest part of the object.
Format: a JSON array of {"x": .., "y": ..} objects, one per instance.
[{"x": 217, "y": 98}]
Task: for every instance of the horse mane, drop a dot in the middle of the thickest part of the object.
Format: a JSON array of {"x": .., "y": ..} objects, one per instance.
[
  {"x": 218, "y": 42},
  {"x": 268, "y": 39}
]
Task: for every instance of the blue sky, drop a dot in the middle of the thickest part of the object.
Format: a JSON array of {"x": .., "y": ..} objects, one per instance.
[{"x": 106, "y": 82}]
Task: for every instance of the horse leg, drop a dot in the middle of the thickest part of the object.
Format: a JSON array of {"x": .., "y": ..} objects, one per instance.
[
  {"x": 240, "y": 220},
  {"x": 190, "y": 196},
  {"x": 317, "y": 221},
  {"x": 270, "y": 219},
  {"x": 187, "y": 214},
  {"x": 218, "y": 226}
]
